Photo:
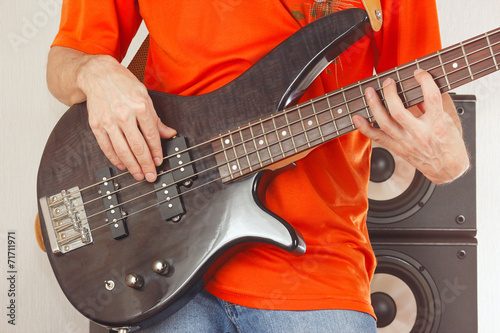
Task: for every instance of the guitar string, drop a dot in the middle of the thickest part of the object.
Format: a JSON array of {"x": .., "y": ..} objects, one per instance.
[
  {"x": 374, "y": 77},
  {"x": 364, "y": 108},
  {"x": 403, "y": 91},
  {"x": 209, "y": 182},
  {"x": 364, "y": 81}
]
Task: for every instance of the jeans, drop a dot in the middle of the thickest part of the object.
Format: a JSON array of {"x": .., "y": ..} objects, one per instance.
[{"x": 206, "y": 313}]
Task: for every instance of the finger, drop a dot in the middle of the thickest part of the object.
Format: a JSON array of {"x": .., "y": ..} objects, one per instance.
[
  {"x": 383, "y": 118},
  {"x": 165, "y": 131},
  {"x": 107, "y": 148},
  {"x": 396, "y": 107},
  {"x": 140, "y": 150},
  {"x": 150, "y": 128},
  {"x": 122, "y": 149},
  {"x": 432, "y": 94}
]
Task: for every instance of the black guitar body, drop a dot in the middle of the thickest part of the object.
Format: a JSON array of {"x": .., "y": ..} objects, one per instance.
[{"x": 218, "y": 218}]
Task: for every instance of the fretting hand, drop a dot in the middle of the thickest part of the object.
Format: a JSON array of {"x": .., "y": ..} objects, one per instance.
[{"x": 428, "y": 136}]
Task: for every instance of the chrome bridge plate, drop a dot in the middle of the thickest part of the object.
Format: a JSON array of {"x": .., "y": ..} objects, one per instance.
[{"x": 66, "y": 220}]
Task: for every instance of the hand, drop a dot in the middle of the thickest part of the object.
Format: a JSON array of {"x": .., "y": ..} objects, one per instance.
[
  {"x": 122, "y": 117},
  {"x": 428, "y": 135}
]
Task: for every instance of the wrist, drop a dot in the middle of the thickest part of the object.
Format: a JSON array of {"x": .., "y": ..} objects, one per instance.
[{"x": 91, "y": 68}]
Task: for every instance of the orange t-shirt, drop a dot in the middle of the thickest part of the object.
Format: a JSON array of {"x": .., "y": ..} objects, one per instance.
[{"x": 198, "y": 46}]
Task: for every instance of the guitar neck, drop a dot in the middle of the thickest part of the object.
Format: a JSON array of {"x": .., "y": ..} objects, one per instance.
[{"x": 266, "y": 141}]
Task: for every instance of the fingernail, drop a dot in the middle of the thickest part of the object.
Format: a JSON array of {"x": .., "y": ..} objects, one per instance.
[
  {"x": 387, "y": 82},
  {"x": 157, "y": 161},
  {"x": 150, "y": 177},
  {"x": 356, "y": 121},
  {"x": 369, "y": 93},
  {"x": 138, "y": 176},
  {"x": 121, "y": 167},
  {"x": 418, "y": 71}
]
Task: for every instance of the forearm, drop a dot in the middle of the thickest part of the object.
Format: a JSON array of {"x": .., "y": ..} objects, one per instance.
[{"x": 67, "y": 72}]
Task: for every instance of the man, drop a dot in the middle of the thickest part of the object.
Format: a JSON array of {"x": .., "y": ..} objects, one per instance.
[{"x": 198, "y": 46}]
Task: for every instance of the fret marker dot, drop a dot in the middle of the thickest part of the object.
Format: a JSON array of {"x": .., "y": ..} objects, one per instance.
[
  {"x": 339, "y": 111},
  {"x": 227, "y": 141},
  {"x": 261, "y": 142},
  {"x": 234, "y": 167},
  {"x": 310, "y": 122},
  {"x": 283, "y": 133},
  {"x": 455, "y": 65}
]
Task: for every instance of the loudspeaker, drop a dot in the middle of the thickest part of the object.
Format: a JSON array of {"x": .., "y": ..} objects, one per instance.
[
  {"x": 402, "y": 200},
  {"x": 423, "y": 238},
  {"x": 423, "y": 286}
]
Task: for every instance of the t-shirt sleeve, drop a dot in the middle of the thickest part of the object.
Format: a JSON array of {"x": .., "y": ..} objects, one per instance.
[
  {"x": 410, "y": 31},
  {"x": 98, "y": 27}
]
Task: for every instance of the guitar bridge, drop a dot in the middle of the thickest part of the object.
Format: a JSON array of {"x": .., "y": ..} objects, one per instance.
[{"x": 66, "y": 221}]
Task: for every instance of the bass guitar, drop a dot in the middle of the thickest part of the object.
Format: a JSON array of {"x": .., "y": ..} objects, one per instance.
[{"x": 128, "y": 253}]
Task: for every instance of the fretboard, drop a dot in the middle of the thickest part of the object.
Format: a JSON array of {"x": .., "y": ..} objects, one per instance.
[{"x": 256, "y": 145}]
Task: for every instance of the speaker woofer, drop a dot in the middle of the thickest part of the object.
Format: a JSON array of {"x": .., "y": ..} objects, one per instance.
[
  {"x": 396, "y": 190},
  {"x": 404, "y": 295}
]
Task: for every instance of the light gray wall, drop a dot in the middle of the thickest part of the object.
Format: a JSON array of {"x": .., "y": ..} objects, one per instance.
[{"x": 28, "y": 113}]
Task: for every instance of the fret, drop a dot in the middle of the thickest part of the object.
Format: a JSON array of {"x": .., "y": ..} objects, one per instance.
[
  {"x": 409, "y": 84},
  {"x": 273, "y": 138},
  {"x": 432, "y": 64},
  {"x": 276, "y": 130},
  {"x": 317, "y": 122},
  {"x": 491, "y": 51},
  {"x": 245, "y": 149},
  {"x": 310, "y": 123},
  {"x": 466, "y": 61},
  {"x": 290, "y": 132},
  {"x": 266, "y": 142},
  {"x": 494, "y": 38},
  {"x": 322, "y": 117},
  {"x": 313, "y": 133},
  {"x": 297, "y": 130},
  {"x": 454, "y": 66},
  {"x": 394, "y": 75},
  {"x": 255, "y": 145},
  {"x": 400, "y": 82},
  {"x": 249, "y": 146},
  {"x": 375, "y": 84},
  {"x": 354, "y": 100},
  {"x": 478, "y": 55},
  {"x": 444, "y": 70},
  {"x": 347, "y": 108},
  {"x": 333, "y": 117},
  {"x": 227, "y": 158},
  {"x": 262, "y": 149},
  {"x": 380, "y": 90},
  {"x": 365, "y": 102},
  {"x": 235, "y": 167},
  {"x": 340, "y": 111}
]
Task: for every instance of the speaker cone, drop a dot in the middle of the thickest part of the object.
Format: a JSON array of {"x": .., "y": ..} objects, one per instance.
[
  {"x": 404, "y": 296},
  {"x": 396, "y": 190}
]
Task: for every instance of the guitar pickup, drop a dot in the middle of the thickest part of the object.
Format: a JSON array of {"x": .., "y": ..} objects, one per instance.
[
  {"x": 181, "y": 166},
  {"x": 169, "y": 200},
  {"x": 114, "y": 214}
]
